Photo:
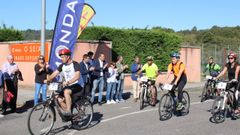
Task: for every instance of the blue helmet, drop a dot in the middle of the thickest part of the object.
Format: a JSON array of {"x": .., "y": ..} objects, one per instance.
[{"x": 175, "y": 54}]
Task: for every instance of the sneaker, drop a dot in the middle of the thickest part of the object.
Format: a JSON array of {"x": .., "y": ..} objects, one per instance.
[
  {"x": 117, "y": 101},
  {"x": 113, "y": 102},
  {"x": 108, "y": 102},
  {"x": 122, "y": 100},
  {"x": 179, "y": 106},
  {"x": 1, "y": 116}
]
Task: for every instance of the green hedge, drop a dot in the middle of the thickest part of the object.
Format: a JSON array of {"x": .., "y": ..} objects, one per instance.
[
  {"x": 132, "y": 42},
  {"x": 7, "y": 34}
]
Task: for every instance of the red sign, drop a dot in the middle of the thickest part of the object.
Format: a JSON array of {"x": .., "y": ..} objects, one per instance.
[{"x": 27, "y": 52}]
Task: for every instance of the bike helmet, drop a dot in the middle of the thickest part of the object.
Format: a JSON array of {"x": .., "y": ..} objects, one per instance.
[
  {"x": 211, "y": 57},
  {"x": 150, "y": 58},
  {"x": 234, "y": 55},
  {"x": 64, "y": 52},
  {"x": 175, "y": 54}
]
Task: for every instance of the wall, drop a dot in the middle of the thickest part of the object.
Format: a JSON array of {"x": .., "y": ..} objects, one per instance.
[
  {"x": 27, "y": 67},
  {"x": 191, "y": 56}
]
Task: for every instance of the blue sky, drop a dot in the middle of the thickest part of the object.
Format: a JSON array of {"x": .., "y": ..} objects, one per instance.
[{"x": 175, "y": 14}]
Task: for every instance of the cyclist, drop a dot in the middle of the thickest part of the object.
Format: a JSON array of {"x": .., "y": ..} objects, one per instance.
[
  {"x": 212, "y": 67},
  {"x": 71, "y": 73},
  {"x": 177, "y": 68},
  {"x": 151, "y": 70},
  {"x": 233, "y": 75}
]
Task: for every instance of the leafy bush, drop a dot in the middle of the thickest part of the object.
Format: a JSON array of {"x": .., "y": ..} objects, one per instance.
[
  {"x": 7, "y": 34},
  {"x": 131, "y": 42}
]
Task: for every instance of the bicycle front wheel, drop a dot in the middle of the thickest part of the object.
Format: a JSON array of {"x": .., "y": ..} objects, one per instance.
[
  {"x": 219, "y": 112},
  {"x": 82, "y": 113},
  {"x": 165, "y": 108},
  {"x": 41, "y": 119},
  {"x": 186, "y": 103},
  {"x": 142, "y": 94}
]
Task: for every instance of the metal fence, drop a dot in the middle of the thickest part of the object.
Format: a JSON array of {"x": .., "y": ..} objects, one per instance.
[{"x": 218, "y": 52}]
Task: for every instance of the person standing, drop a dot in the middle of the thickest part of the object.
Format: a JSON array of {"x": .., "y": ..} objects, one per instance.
[
  {"x": 100, "y": 68},
  {"x": 85, "y": 69},
  {"x": 120, "y": 78},
  {"x": 41, "y": 71},
  {"x": 136, "y": 66},
  {"x": 111, "y": 83},
  {"x": 10, "y": 71},
  {"x": 90, "y": 54}
]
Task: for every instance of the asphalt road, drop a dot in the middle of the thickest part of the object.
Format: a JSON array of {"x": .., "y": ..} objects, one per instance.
[{"x": 127, "y": 119}]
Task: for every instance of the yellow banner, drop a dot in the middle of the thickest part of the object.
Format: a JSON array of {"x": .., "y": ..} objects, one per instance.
[{"x": 87, "y": 14}]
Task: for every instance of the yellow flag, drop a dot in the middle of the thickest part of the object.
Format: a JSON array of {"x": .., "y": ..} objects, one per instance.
[{"x": 87, "y": 14}]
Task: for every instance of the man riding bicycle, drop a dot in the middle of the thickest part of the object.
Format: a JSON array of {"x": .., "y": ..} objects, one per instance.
[
  {"x": 151, "y": 70},
  {"x": 232, "y": 68},
  {"x": 177, "y": 68},
  {"x": 71, "y": 72},
  {"x": 212, "y": 67}
]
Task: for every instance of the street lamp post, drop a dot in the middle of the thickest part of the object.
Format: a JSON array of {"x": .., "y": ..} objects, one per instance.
[{"x": 43, "y": 27}]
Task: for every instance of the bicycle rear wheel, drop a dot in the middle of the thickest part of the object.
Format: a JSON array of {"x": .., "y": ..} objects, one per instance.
[
  {"x": 218, "y": 111},
  {"x": 142, "y": 93},
  {"x": 165, "y": 108},
  {"x": 41, "y": 119},
  {"x": 82, "y": 113},
  {"x": 186, "y": 103}
]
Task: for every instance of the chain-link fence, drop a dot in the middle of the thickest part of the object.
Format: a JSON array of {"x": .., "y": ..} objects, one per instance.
[{"x": 218, "y": 52}]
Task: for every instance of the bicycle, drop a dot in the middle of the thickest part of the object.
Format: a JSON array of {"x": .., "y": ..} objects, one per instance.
[
  {"x": 168, "y": 103},
  {"x": 209, "y": 90},
  {"x": 224, "y": 103},
  {"x": 145, "y": 95},
  {"x": 43, "y": 116}
]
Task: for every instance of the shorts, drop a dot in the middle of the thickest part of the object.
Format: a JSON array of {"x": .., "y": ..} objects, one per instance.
[{"x": 75, "y": 88}]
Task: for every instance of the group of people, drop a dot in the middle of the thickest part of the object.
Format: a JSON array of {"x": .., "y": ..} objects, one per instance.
[
  {"x": 175, "y": 68},
  {"x": 232, "y": 68},
  {"x": 90, "y": 74},
  {"x": 9, "y": 75}
]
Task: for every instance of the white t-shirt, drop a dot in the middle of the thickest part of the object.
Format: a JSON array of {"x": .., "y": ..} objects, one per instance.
[
  {"x": 68, "y": 70},
  {"x": 9, "y": 68},
  {"x": 113, "y": 74}
]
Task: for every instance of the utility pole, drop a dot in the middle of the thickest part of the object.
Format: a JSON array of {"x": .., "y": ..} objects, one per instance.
[{"x": 43, "y": 27}]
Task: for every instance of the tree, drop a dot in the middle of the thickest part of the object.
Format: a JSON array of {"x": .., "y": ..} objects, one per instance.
[{"x": 9, "y": 34}]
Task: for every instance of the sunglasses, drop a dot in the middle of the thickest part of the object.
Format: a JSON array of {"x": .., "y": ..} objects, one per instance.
[
  {"x": 230, "y": 58},
  {"x": 41, "y": 58}
]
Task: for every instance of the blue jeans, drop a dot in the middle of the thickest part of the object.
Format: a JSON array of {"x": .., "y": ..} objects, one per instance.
[
  {"x": 119, "y": 89},
  {"x": 111, "y": 87},
  {"x": 38, "y": 87},
  {"x": 97, "y": 82}
]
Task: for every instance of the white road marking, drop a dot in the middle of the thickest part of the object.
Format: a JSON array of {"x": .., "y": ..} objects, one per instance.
[
  {"x": 149, "y": 110},
  {"x": 127, "y": 107},
  {"x": 132, "y": 113}
]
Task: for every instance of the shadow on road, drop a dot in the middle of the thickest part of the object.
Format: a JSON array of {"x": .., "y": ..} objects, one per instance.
[
  {"x": 97, "y": 117},
  {"x": 27, "y": 105}
]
